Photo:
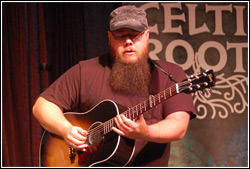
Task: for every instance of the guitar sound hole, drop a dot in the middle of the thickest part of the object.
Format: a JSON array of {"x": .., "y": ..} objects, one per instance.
[{"x": 95, "y": 134}]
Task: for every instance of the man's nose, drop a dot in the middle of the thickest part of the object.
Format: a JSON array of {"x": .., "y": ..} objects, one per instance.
[{"x": 128, "y": 41}]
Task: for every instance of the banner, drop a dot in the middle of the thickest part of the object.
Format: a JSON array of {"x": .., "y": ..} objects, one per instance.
[{"x": 201, "y": 36}]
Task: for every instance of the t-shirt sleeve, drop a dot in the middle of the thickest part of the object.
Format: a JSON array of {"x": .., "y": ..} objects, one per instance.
[
  {"x": 64, "y": 92},
  {"x": 181, "y": 101}
]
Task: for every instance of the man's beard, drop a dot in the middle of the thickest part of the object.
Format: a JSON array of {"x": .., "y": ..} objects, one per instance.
[{"x": 130, "y": 78}]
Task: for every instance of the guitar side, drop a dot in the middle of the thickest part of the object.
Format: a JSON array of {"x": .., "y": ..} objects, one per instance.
[{"x": 113, "y": 150}]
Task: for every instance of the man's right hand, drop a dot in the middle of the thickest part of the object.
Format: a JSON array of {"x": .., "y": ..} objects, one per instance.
[{"x": 75, "y": 137}]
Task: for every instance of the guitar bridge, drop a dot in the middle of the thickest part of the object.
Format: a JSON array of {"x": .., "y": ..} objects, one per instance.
[{"x": 72, "y": 155}]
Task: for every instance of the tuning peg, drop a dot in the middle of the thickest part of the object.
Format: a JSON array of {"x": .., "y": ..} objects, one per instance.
[
  {"x": 198, "y": 75},
  {"x": 198, "y": 86},
  {"x": 202, "y": 92}
]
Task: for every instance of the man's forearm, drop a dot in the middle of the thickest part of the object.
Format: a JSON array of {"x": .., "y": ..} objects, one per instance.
[
  {"x": 50, "y": 116},
  {"x": 170, "y": 129}
]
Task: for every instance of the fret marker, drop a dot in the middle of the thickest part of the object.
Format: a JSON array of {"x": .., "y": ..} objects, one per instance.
[{"x": 177, "y": 88}]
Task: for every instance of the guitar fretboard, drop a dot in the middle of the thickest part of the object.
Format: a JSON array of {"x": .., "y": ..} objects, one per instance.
[{"x": 133, "y": 112}]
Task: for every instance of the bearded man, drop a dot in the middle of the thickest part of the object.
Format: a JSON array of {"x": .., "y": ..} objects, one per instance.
[{"x": 127, "y": 77}]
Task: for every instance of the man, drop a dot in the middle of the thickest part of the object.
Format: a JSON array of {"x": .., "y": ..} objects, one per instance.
[{"x": 127, "y": 77}]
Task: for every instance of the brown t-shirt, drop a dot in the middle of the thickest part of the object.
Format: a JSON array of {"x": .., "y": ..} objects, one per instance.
[{"x": 86, "y": 84}]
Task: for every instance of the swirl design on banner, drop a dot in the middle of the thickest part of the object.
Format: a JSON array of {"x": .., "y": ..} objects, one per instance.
[{"x": 235, "y": 89}]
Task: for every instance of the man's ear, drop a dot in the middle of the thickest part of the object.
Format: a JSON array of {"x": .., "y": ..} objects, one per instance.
[
  {"x": 147, "y": 33},
  {"x": 109, "y": 35}
]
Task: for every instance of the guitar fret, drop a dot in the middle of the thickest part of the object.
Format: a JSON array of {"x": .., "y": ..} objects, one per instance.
[
  {"x": 110, "y": 125},
  {"x": 140, "y": 108},
  {"x": 133, "y": 113},
  {"x": 108, "y": 128},
  {"x": 104, "y": 129},
  {"x": 152, "y": 100}
]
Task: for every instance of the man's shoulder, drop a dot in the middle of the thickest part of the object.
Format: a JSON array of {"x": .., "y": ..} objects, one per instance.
[
  {"x": 89, "y": 61},
  {"x": 96, "y": 61}
]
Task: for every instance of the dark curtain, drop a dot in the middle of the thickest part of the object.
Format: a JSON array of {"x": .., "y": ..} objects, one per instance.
[{"x": 40, "y": 42}]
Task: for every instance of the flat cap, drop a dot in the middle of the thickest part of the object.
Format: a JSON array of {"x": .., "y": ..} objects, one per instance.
[{"x": 128, "y": 17}]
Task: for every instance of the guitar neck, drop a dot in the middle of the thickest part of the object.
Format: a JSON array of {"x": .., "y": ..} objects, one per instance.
[
  {"x": 153, "y": 100},
  {"x": 190, "y": 85}
]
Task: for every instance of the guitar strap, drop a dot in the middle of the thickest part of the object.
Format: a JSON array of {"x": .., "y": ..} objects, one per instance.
[{"x": 159, "y": 67}]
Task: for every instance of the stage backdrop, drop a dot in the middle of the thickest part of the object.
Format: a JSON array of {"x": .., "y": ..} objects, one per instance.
[{"x": 201, "y": 36}]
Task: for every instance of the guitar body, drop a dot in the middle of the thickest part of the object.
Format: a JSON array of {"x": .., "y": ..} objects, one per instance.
[{"x": 110, "y": 149}]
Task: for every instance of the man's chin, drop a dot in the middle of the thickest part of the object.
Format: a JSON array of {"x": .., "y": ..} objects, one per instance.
[{"x": 129, "y": 59}]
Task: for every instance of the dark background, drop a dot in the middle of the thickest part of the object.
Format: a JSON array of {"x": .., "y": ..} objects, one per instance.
[{"x": 40, "y": 42}]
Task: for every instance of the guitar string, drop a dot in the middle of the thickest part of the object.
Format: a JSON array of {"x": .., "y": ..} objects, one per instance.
[{"x": 110, "y": 123}]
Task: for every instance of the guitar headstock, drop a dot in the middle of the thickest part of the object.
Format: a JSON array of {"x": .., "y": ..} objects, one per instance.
[{"x": 198, "y": 82}]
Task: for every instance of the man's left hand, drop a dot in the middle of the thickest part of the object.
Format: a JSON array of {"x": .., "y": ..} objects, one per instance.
[{"x": 130, "y": 129}]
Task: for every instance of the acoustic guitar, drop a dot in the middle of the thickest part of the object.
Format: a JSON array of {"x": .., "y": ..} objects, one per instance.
[{"x": 106, "y": 148}]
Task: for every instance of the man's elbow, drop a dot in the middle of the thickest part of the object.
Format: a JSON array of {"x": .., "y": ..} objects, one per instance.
[
  {"x": 181, "y": 134},
  {"x": 36, "y": 107}
]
